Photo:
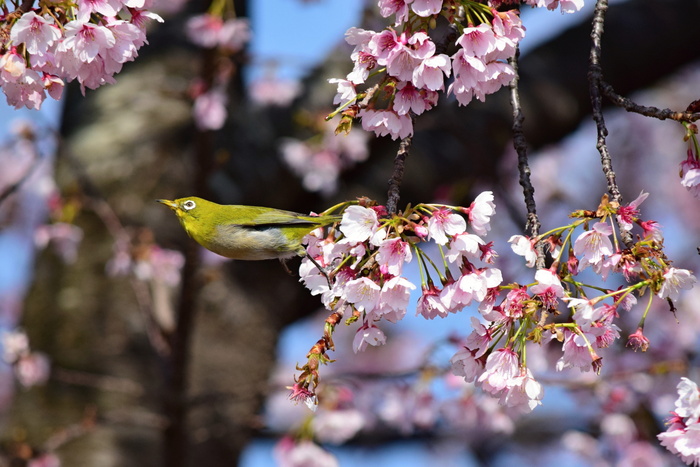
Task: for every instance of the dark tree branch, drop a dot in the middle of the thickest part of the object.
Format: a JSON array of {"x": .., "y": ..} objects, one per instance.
[
  {"x": 400, "y": 159},
  {"x": 595, "y": 78},
  {"x": 631, "y": 106},
  {"x": 397, "y": 176},
  {"x": 532, "y": 225}
]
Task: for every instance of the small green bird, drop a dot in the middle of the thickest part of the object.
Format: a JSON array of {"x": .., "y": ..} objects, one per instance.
[{"x": 246, "y": 232}]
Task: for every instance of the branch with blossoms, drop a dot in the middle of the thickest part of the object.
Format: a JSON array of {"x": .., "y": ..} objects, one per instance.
[
  {"x": 363, "y": 261},
  {"x": 365, "y": 256},
  {"x": 689, "y": 168},
  {"x": 404, "y": 72},
  {"x": 397, "y": 75}
]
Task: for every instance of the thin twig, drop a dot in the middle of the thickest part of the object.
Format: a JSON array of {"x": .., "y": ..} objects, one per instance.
[
  {"x": 595, "y": 78},
  {"x": 532, "y": 225},
  {"x": 102, "y": 382},
  {"x": 631, "y": 106},
  {"x": 397, "y": 175},
  {"x": 405, "y": 146},
  {"x": 36, "y": 162},
  {"x": 595, "y": 81}
]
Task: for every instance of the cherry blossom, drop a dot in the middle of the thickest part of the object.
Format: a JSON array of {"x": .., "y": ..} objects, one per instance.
[
  {"x": 386, "y": 122},
  {"x": 359, "y": 223},
  {"x": 363, "y": 293},
  {"x": 14, "y": 344},
  {"x": 445, "y": 222},
  {"x": 368, "y": 334},
  {"x": 548, "y": 288},
  {"x": 524, "y": 246},
  {"x": 204, "y": 30},
  {"x": 593, "y": 245},
  {"x": 514, "y": 303},
  {"x": 408, "y": 55},
  {"x": 629, "y": 213},
  {"x": 36, "y": 32},
  {"x": 480, "y": 338},
  {"x": 638, "y": 341},
  {"x": 475, "y": 285},
  {"x": 392, "y": 254},
  {"x": 209, "y": 109},
  {"x": 683, "y": 434},
  {"x": 567, "y": 6},
  {"x": 103, "y": 7},
  {"x": 690, "y": 174},
  {"x": 583, "y": 308},
  {"x": 399, "y": 8},
  {"x": 676, "y": 280},
  {"x": 394, "y": 298},
  {"x": 346, "y": 90},
  {"x": 87, "y": 40},
  {"x": 338, "y": 426},
  {"x": 410, "y": 99},
  {"x": 465, "y": 363},
  {"x": 500, "y": 371},
  {"x": 524, "y": 394},
  {"x": 431, "y": 72},
  {"x": 63, "y": 236},
  {"x": 480, "y": 212},
  {"x": 478, "y": 41},
  {"x": 426, "y": 7},
  {"x": 576, "y": 351},
  {"x": 430, "y": 304},
  {"x": 464, "y": 245}
]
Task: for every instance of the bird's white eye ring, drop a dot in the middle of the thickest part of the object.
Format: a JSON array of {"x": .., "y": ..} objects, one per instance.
[{"x": 189, "y": 204}]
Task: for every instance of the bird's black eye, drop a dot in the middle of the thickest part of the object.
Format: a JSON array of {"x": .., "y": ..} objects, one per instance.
[{"x": 189, "y": 204}]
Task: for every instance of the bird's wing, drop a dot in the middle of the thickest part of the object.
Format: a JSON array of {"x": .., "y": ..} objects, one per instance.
[{"x": 264, "y": 216}]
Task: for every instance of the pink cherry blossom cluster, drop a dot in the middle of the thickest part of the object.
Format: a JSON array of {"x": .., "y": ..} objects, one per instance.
[
  {"x": 228, "y": 36},
  {"x": 683, "y": 433},
  {"x": 410, "y": 69},
  {"x": 494, "y": 354},
  {"x": 88, "y": 41},
  {"x": 31, "y": 368},
  {"x": 320, "y": 163},
  {"x": 524, "y": 314},
  {"x": 212, "y": 31},
  {"x": 363, "y": 262},
  {"x": 406, "y": 406},
  {"x": 146, "y": 261}
]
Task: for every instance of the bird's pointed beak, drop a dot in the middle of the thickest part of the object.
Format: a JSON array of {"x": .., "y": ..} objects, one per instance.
[{"x": 171, "y": 204}]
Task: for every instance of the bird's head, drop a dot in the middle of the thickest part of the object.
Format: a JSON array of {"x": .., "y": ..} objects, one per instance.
[{"x": 190, "y": 210}]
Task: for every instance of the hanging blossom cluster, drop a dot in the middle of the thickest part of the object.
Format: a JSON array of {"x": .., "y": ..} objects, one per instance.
[
  {"x": 683, "y": 433},
  {"x": 364, "y": 259},
  {"x": 406, "y": 70},
  {"x": 228, "y": 37},
  {"x": 319, "y": 160},
  {"x": 525, "y": 313},
  {"x": 61, "y": 41}
]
